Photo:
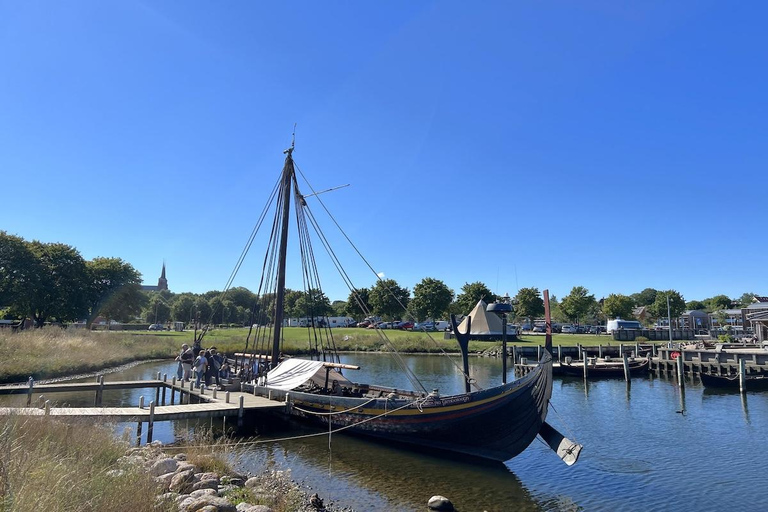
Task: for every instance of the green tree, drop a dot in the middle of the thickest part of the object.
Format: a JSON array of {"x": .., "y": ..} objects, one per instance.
[
  {"x": 529, "y": 304},
  {"x": 312, "y": 303},
  {"x": 388, "y": 299},
  {"x": 183, "y": 308},
  {"x": 617, "y": 305},
  {"x": 431, "y": 299},
  {"x": 676, "y": 304},
  {"x": 746, "y": 299},
  {"x": 242, "y": 296},
  {"x": 59, "y": 293},
  {"x": 157, "y": 310},
  {"x": 359, "y": 303},
  {"x": 718, "y": 302},
  {"x": 576, "y": 304},
  {"x": 339, "y": 308},
  {"x": 471, "y": 294},
  {"x": 695, "y": 305},
  {"x": 114, "y": 289},
  {"x": 645, "y": 297},
  {"x": 20, "y": 273}
]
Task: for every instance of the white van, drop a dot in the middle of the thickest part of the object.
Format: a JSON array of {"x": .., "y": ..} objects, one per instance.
[{"x": 618, "y": 324}]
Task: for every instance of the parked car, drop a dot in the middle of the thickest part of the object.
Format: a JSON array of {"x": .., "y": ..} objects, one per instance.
[
  {"x": 156, "y": 327},
  {"x": 405, "y": 325},
  {"x": 424, "y": 326},
  {"x": 568, "y": 329},
  {"x": 539, "y": 328},
  {"x": 364, "y": 323}
]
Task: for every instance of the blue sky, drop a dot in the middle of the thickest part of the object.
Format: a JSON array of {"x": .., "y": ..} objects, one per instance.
[{"x": 611, "y": 145}]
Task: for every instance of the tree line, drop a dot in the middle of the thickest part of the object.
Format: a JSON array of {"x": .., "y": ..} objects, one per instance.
[{"x": 52, "y": 281}]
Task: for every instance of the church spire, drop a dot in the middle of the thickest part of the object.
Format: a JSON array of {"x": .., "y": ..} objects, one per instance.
[{"x": 162, "y": 283}]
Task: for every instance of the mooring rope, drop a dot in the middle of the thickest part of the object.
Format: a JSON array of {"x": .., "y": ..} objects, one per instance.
[
  {"x": 418, "y": 402},
  {"x": 306, "y": 411}
]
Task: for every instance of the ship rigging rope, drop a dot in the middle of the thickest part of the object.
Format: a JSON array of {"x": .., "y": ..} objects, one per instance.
[
  {"x": 306, "y": 411},
  {"x": 418, "y": 403},
  {"x": 353, "y": 289},
  {"x": 243, "y": 254}
]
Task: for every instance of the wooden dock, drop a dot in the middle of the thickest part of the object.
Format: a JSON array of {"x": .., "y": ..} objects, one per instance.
[{"x": 192, "y": 402}]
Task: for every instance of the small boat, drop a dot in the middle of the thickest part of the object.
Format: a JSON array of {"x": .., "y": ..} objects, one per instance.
[
  {"x": 604, "y": 369},
  {"x": 496, "y": 423},
  {"x": 755, "y": 382}
]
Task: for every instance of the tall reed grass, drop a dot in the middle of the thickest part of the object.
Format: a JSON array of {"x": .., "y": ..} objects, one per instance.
[
  {"x": 54, "y": 352},
  {"x": 65, "y": 466}
]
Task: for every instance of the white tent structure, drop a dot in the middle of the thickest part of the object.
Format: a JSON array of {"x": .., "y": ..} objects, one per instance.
[{"x": 484, "y": 324}]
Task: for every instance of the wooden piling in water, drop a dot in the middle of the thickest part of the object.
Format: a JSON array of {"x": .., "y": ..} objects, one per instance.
[
  {"x": 742, "y": 376},
  {"x": 625, "y": 359},
  {"x": 586, "y": 371},
  {"x": 240, "y": 412},
  {"x": 680, "y": 370},
  {"x": 29, "y": 392},
  {"x": 151, "y": 422}
]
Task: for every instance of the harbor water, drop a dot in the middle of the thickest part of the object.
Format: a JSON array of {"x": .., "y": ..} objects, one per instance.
[{"x": 650, "y": 445}]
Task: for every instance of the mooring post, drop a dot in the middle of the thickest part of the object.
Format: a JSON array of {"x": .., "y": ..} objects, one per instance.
[
  {"x": 559, "y": 353},
  {"x": 600, "y": 350},
  {"x": 621, "y": 349},
  {"x": 637, "y": 350},
  {"x": 586, "y": 371},
  {"x": 29, "y": 391},
  {"x": 99, "y": 392},
  {"x": 151, "y": 423},
  {"x": 141, "y": 402},
  {"x": 165, "y": 377},
  {"x": 626, "y": 366},
  {"x": 226, "y": 397},
  {"x": 742, "y": 376},
  {"x": 158, "y": 375},
  {"x": 214, "y": 393},
  {"x": 202, "y": 390},
  {"x": 157, "y": 393},
  {"x": 47, "y": 407},
  {"x": 240, "y": 412},
  {"x": 173, "y": 389},
  {"x": 680, "y": 370},
  {"x": 138, "y": 434},
  {"x": 163, "y": 401},
  {"x": 514, "y": 354},
  {"x": 538, "y": 353}
]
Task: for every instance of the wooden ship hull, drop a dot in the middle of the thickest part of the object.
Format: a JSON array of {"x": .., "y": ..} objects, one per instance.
[
  {"x": 496, "y": 423},
  {"x": 752, "y": 382},
  {"x": 605, "y": 370}
]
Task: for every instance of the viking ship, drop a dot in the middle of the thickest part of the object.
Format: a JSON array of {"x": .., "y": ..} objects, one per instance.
[{"x": 496, "y": 423}]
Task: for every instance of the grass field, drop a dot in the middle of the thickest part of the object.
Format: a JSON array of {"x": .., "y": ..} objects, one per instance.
[{"x": 53, "y": 352}]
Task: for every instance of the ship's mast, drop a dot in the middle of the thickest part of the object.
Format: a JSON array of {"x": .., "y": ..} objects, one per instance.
[{"x": 288, "y": 171}]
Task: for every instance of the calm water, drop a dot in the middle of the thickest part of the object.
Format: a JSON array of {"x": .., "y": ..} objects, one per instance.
[{"x": 647, "y": 447}]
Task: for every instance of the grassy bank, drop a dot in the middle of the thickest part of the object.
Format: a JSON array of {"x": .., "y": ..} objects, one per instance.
[
  {"x": 57, "y": 466},
  {"x": 53, "y": 352}
]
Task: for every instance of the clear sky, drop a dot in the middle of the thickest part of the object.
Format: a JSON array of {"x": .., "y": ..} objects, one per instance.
[{"x": 612, "y": 145}]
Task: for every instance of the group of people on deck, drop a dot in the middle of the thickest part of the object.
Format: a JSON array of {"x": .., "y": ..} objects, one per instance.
[{"x": 206, "y": 364}]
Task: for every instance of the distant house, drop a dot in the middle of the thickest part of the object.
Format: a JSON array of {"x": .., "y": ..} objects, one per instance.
[
  {"x": 641, "y": 314},
  {"x": 733, "y": 318}
]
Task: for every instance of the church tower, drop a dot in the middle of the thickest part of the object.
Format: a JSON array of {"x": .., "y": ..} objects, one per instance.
[{"x": 162, "y": 283}]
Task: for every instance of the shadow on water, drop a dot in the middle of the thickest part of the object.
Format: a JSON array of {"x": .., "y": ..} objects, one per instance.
[{"x": 377, "y": 476}]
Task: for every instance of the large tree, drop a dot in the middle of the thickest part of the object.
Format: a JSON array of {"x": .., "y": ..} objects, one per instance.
[
  {"x": 470, "y": 294},
  {"x": 312, "y": 303},
  {"x": 431, "y": 299},
  {"x": 746, "y": 299},
  {"x": 359, "y": 303},
  {"x": 645, "y": 297},
  {"x": 718, "y": 302},
  {"x": 695, "y": 305},
  {"x": 577, "y": 304},
  {"x": 676, "y": 304},
  {"x": 62, "y": 290},
  {"x": 388, "y": 299},
  {"x": 20, "y": 273},
  {"x": 157, "y": 310},
  {"x": 183, "y": 308},
  {"x": 114, "y": 289},
  {"x": 617, "y": 305},
  {"x": 528, "y": 304}
]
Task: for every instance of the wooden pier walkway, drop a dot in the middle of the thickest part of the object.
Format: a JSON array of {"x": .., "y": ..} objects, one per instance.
[{"x": 193, "y": 402}]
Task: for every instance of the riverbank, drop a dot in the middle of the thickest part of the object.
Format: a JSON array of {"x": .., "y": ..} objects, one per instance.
[
  {"x": 47, "y": 464},
  {"x": 52, "y": 353}
]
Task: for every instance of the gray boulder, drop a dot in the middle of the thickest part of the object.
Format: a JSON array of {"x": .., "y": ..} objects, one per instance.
[
  {"x": 246, "y": 507},
  {"x": 182, "y": 482},
  {"x": 206, "y": 503},
  {"x": 163, "y": 466}
]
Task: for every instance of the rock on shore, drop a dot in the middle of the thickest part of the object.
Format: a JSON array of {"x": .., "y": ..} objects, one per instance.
[{"x": 192, "y": 490}]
